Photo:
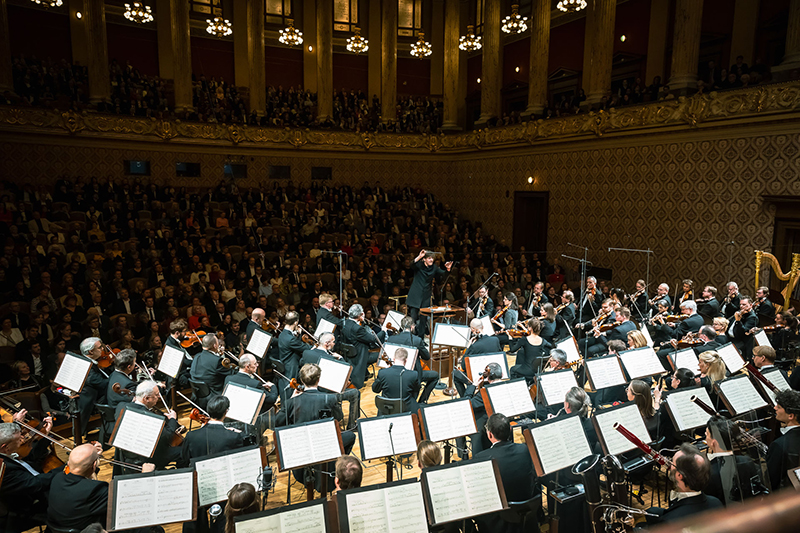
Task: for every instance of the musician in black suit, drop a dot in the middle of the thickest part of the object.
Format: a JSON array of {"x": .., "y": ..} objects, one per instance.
[
  {"x": 638, "y": 301},
  {"x": 784, "y": 452},
  {"x": 481, "y": 345},
  {"x": 213, "y": 437},
  {"x": 732, "y": 476},
  {"x": 622, "y": 326},
  {"x": 709, "y": 340},
  {"x": 256, "y": 319},
  {"x": 537, "y": 300},
  {"x": 516, "y": 469},
  {"x": 419, "y": 294},
  {"x": 94, "y": 389},
  {"x": 707, "y": 304},
  {"x": 590, "y": 343},
  {"x": 124, "y": 365},
  {"x": 678, "y": 330},
  {"x": 689, "y": 474},
  {"x": 248, "y": 366},
  {"x": 483, "y": 305},
  {"x": 397, "y": 382},
  {"x": 325, "y": 351},
  {"x": 177, "y": 331},
  {"x": 591, "y": 299},
  {"x": 730, "y": 305},
  {"x": 207, "y": 366},
  {"x": 662, "y": 295},
  {"x": 407, "y": 338},
  {"x": 565, "y": 316},
  {"x": 362, "y": 338},
  {"x": 24, "y": 487},
  {"x": 764, "y": 309},
  {"x": 325, "y": 313},
  {"x": 744, "y": 321},
  {"x": 290, "y": 345}
]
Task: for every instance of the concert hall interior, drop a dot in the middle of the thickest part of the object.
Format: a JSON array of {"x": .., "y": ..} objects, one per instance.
[{"x": 399, "y": 265}]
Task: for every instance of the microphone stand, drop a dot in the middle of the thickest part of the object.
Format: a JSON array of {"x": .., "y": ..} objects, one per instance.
[
  {"x": 391, "y": 465},
  {"x": 584, "y": 263}
]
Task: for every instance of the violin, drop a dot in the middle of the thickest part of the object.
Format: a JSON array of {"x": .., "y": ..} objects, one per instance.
[
  {"x": 177, "y": 437},
  {"x": 51, "y": 460},
  {"x": 674, "y": 318},
  {"x": 107, "y": 356},
  {"x": 689, "y": 341},
  {"x": 602, "y": 316},
  {"x": 607, "y": 327},
  {"x": 561, "y": 307},
  {"x": 192, "y": 338},
  {"x": 385, "y": 358},
  {"x": 199, "y": 417},
  {"x": 484, "y": 376},
  {"x": 270, "y": 326},
  {"x": 296, "y": 385},
  {"x": 500, "y": 312},
  {"x": 116, "y": 387},
  {"x": 390, "y": 327}
]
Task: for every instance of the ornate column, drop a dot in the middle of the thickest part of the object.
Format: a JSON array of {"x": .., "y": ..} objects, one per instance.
[
  {"x": 95, "y": 27},
  {"x": 388, "y": 60},
  {"x": 791, "y": 59},
  {"x": 686, "y": 45},
  {"x": 6, "y": 76},
  {"x": 181, "y": 55},
  {"x": 540, "y": 55},
  {"x": 657, "y": 40},
  {"x": 599, "y": 49},
  {"x": 324, "y": 13},
  {"x": 255, "y": 41},
  {"x": 451, "y": 53},
  {"x": 491, "y": 76}
]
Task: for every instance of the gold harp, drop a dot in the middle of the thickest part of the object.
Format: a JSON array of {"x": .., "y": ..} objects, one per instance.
[{"x": 791, "y": 277}]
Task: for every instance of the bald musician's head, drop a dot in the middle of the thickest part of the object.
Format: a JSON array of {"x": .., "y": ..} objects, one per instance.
[
  {"x": 83, "y": 460},
  {"x": 476, "y": 325},
  {"x": 258, "y": 315}
]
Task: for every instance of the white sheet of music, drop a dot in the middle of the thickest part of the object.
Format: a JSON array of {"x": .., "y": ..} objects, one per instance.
[
  {"x": 390, "y": 348},
  {"x": 641, "y": 362},
  {"x": 741, "y": 394},
  {"x": 560, "y": 444},
  {"x": 628, "y": 416},
  {"x": 762, "y": 339},
  {"x": 448, "y": 420},
  {"x": 646, "y": 333},
  {"x": 324, "y": 327},
  {"x": 685, "y": 412},
  {"x": 245, "y": 402},
  {"x": 394, "y": 318},
  {"x": 477, "y": 364},
  {"x": 152, "y": 500},
  {"x": 309, "y": 519},
  {"x": 312, "y": 444},
  {"x": 138, "y": 433},
  {"x": 171, "y": 360},
  {"x": 488, "y": 328},
  {"x": 464, "y": 491},
  {"x": 258, "y": 343},
  {"x": 333, "y": 374},
  {"x": 555, "y": 385},
  {"x": 775, "y": 376},
  {"x": 216, "y": 476},
  {"x": 687, "y": 359},
  {"x": 72, "y": 372},
  {"x": 511, "y": 398},
  {"x": 374, "y": 436},
  {"x": 569, "y": 346},
  {"x": 605, "y": 372},
  {"x": 730, "y": 355},
  {"x": 399, "y": 509},
  {"x": 454, "y": 335}
]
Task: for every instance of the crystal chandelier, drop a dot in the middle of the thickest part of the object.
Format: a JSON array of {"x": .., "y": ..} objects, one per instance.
[
  {"x": 290, "y": 36},
  {"x": 48, "y": 3},
  {"x": 571, "y": 6},
  {"x": 470, "y": 42},
  {"x": 138, "y": 13},
  {"x": 219, "y": 27},
  {"x": 514, "y": 23},
  {"x": 421, "y": 48},
  {"x": 357, "y": 43}
]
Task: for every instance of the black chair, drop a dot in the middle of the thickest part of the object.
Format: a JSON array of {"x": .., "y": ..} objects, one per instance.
[
  {"x": 200, "y": 394},
  {"x": 108, "y": 417},
  {"x": 55, "y": 529},
  {"x": 389, "y": 406},
  {"x": 522, "y": 517},
  {"x": 348, "y": 351}
]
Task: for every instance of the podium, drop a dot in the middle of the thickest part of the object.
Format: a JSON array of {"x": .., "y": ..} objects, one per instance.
[{"x": 443, "y": 356}]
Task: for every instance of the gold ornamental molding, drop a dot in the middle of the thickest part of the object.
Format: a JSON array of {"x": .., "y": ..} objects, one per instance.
[{"x": 769, "y": 101}]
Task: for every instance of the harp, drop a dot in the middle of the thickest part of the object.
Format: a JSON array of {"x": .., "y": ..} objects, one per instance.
[{"x": 791, "y": 277}]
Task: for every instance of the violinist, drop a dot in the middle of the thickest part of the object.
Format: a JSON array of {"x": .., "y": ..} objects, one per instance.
[
  {"x": 764, "y": 309},
  {"x": 730, "y": 305},
  {"x": 592, "y": 298},
  {"x": 707, "y": 304},
  {"x": 565, "y": 314},
  {"x": 590, "y": 344},
  {"x": 619, "y": 331},
  {"x": 177, "y": 333},
  {"x": 247, "y": 376},
  {"x": 662, "y": 295},
  {"x": 24, "y": 487},
  {"x": 744, "y": 320},
  {"x": 483, "y": 306},
  {"x": 419, "y": 294},
  {"x": 531, "y": 352},
  {"x": 708, "y": 340},
  {"x": 690, "y": 324},
  {"x": 94, "y": 390},
  {"x": 397, "y": 382},
  {"x": 509, "y": 313},
  {"x": 325, "y": 351},
  {"x": 479, "y": 441},
  {"x": 688, "y": 294},
  {"x": 290, "y": 347},
  {"x": 480, "y": 344},
  {"x": 357, "y": 333},
  {"x": 256, "y": 322},
  {"x": 213, "y": 437},
  {"x": 537, "y": 300},
  {"x": 207, "y": 367},
  {"x": 720, "y": 325},
  {"x": 325, "y": 312},
  {"x": 124, "y": 366},
  {"x": 557, "y": 360},
  {"x": 638, "y": 301}
]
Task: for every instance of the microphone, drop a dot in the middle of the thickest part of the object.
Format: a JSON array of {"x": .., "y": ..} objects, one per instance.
[
  {"x": 391, "y": 425},
  {"x": 391, "y": 441}
]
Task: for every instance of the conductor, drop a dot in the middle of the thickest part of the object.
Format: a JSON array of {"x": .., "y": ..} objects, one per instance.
[{"x": 419, "y": 295}]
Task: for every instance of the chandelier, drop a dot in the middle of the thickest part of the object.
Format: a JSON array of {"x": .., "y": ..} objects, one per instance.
[
  {"x": 138, "y": 13},
  {"x": 514, "y": 23},
  {"x": 48, "y": 3},
  {"x": 290, "y": 36},
  {"x": 421, "y": 48},
  {"x": 219, "y": 27},
  {"x": 357, "y": 43},
  {"x": 571, "y": 6},
  {"x": 470, "y": 42}
]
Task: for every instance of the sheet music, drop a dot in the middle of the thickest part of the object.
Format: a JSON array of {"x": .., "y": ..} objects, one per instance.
[
  {"x": 488, "y": 328},
  {"x": 775, "y": 376},
  {"x": 730, "y": 355},
  {"x": 398, "y": 509},
  {"x": 741, "y": 394},
  {"x": 762, "y": 339},
  {"x": 324, "y": 327},
  {"x": 687, "y": 359},
  {"x": 309, "y": 519},
  {"x": 570, "y": 347},
  {"x": 333, "y": 374},
  {"x": 307, "y": 445},
  {"x": 555, "y": 385},
  {"x": 605, "y": 372},
  {"x": 628, "y": 416},
  {"x": 259, "y": 343},
  {"x": 216, "y": 476},
  {"x": 138, "y": 432},
  {"x": 245, "y": 402},
  {"x": 511, "y": 398},
  {"x": 646, "y": 333},
  {"x": 152, "y": 500},
  {"x": 375, "y": 441},
  {"x": 560, "y": 444},
  {"x": 480, "y": 494},
  {"x": 390, "y": 348},
  {"x": 687, "y": 414},
  {"x": 641, "y": 362},
  {"x": 477, "y": 364},
  {"x": 394, "y": 318},
  {"x": 171, "y": 361},
  {"x": 72, "y": 372},
  {"x": 448, "y": 420},
  {"x": 451, "y": 335}
]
